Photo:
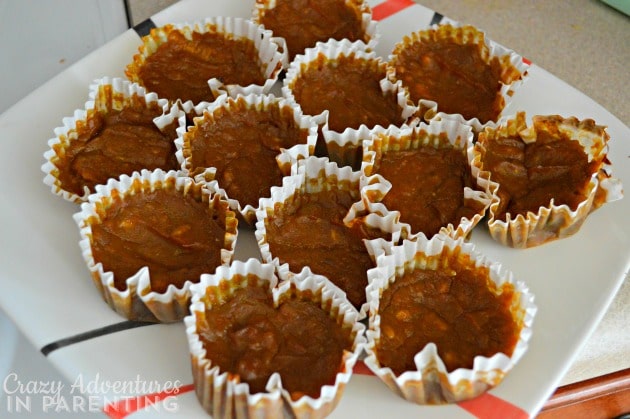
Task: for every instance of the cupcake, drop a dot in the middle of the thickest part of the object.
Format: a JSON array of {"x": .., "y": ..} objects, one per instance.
[
  {"x": 348, "y": 86},
  {"x": 318, "y": 222},
  {"x": 262, "y": 349},
  {"x": 147, "y": 237},
  {"x": 457, "y": 71},
  {"x": 445, "y": 324},
  {"x": 548, "y": 177},
  {"x": 115, "y": 134},
  {"x": 432, "y": 186},
  {"x": 247, "y": 144},
  {"x": 303, "y": 24},
  {"x": 194, "y": 63}
]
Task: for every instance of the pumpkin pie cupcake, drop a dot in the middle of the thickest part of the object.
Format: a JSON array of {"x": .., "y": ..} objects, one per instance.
[
  {"x": 263, "y": 349},
  {"x": 470, "y": 327},
  {"x": 116, "y": 133},
  {"x": 348, "y": 86},
  {"x": 432, "y": 186},
  {"x": 246, "y": 144},
  {"x": 303, "y": 24},
  {"x": 147, "y": 237},
  {"x": 548, "y": 176},
  {"x": 456, "y": 71},
  {"x": 196, "y": 62}
]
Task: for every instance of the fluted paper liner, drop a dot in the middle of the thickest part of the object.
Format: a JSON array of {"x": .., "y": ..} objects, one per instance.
[
  {"x": 271, "y": 53},
  {"x": 431, "y": 383},
  {"x": 369, "y": 26},
  {"x": 313, "y": 175},
  {"x": 221, "y": 393},
  {"x": 138, "y": 301},
  {"x": 513, "y": 74},
  {"x": 344, "y": 147},
  {"x": 261, "y": 103},
  {"x": 436, "y": 134},
  {"x": 554, "y": 221},
  {"x": 105, "y": 94}
]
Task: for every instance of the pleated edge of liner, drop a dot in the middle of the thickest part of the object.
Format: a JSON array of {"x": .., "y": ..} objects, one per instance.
[{"x": 91, "y": 334}]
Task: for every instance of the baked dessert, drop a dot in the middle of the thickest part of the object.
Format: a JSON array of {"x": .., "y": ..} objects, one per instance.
[
  {"x": 318, "y": 222},
  {"x": 115, "y": 134},
  {"x": 428, "y": 167},
  {"x": 548, "y": 176},
  {"x": 250, "y": 141},
  {"x": 445, "y": 323},
  {"x": 348, "y": 86},
  {"x": 270, "y": 348},
  {"x": 303, "y": 24},
  {"x": 457, "y": 70},
  {"x": 148, "y": 236},
  {"x": 198, "y": 62}
]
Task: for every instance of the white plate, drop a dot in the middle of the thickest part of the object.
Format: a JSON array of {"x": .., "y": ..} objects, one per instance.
[
  {"x": 8, "y": 345},
  {"x": 47, "y": 291}
]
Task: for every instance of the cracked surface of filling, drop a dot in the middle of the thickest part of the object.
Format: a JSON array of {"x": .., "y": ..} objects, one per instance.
[
  {"x": 180, "y": 68},
  {"x": 531, "y": 175},
  {"x": 116, "y": 142},
  {"x": 176, "y": 236},
  {"x": 456, "y": 308},
  {"x": 249, "y": 337}
]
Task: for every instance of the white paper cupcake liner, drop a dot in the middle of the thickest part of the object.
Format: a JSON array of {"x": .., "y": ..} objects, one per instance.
[
  {"x": 554, "y": 221},
  {"x": 344, "y": 147},
  {"x": 138, "y": 301},
  {"x": 368, "y": 25},
  {"x": 271, "y": 52},
  {"x": 104, "y": 94},
  {"x": 221, "y": 393},
  {"x": 261, "y": 103},
  {"x": 513, "y": 76},
  {"x": 431, "y": 383},
  {"x": 437, "y": 133}
]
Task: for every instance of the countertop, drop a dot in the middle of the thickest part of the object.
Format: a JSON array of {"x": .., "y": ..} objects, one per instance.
[{"x": 583, "y": 42}]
